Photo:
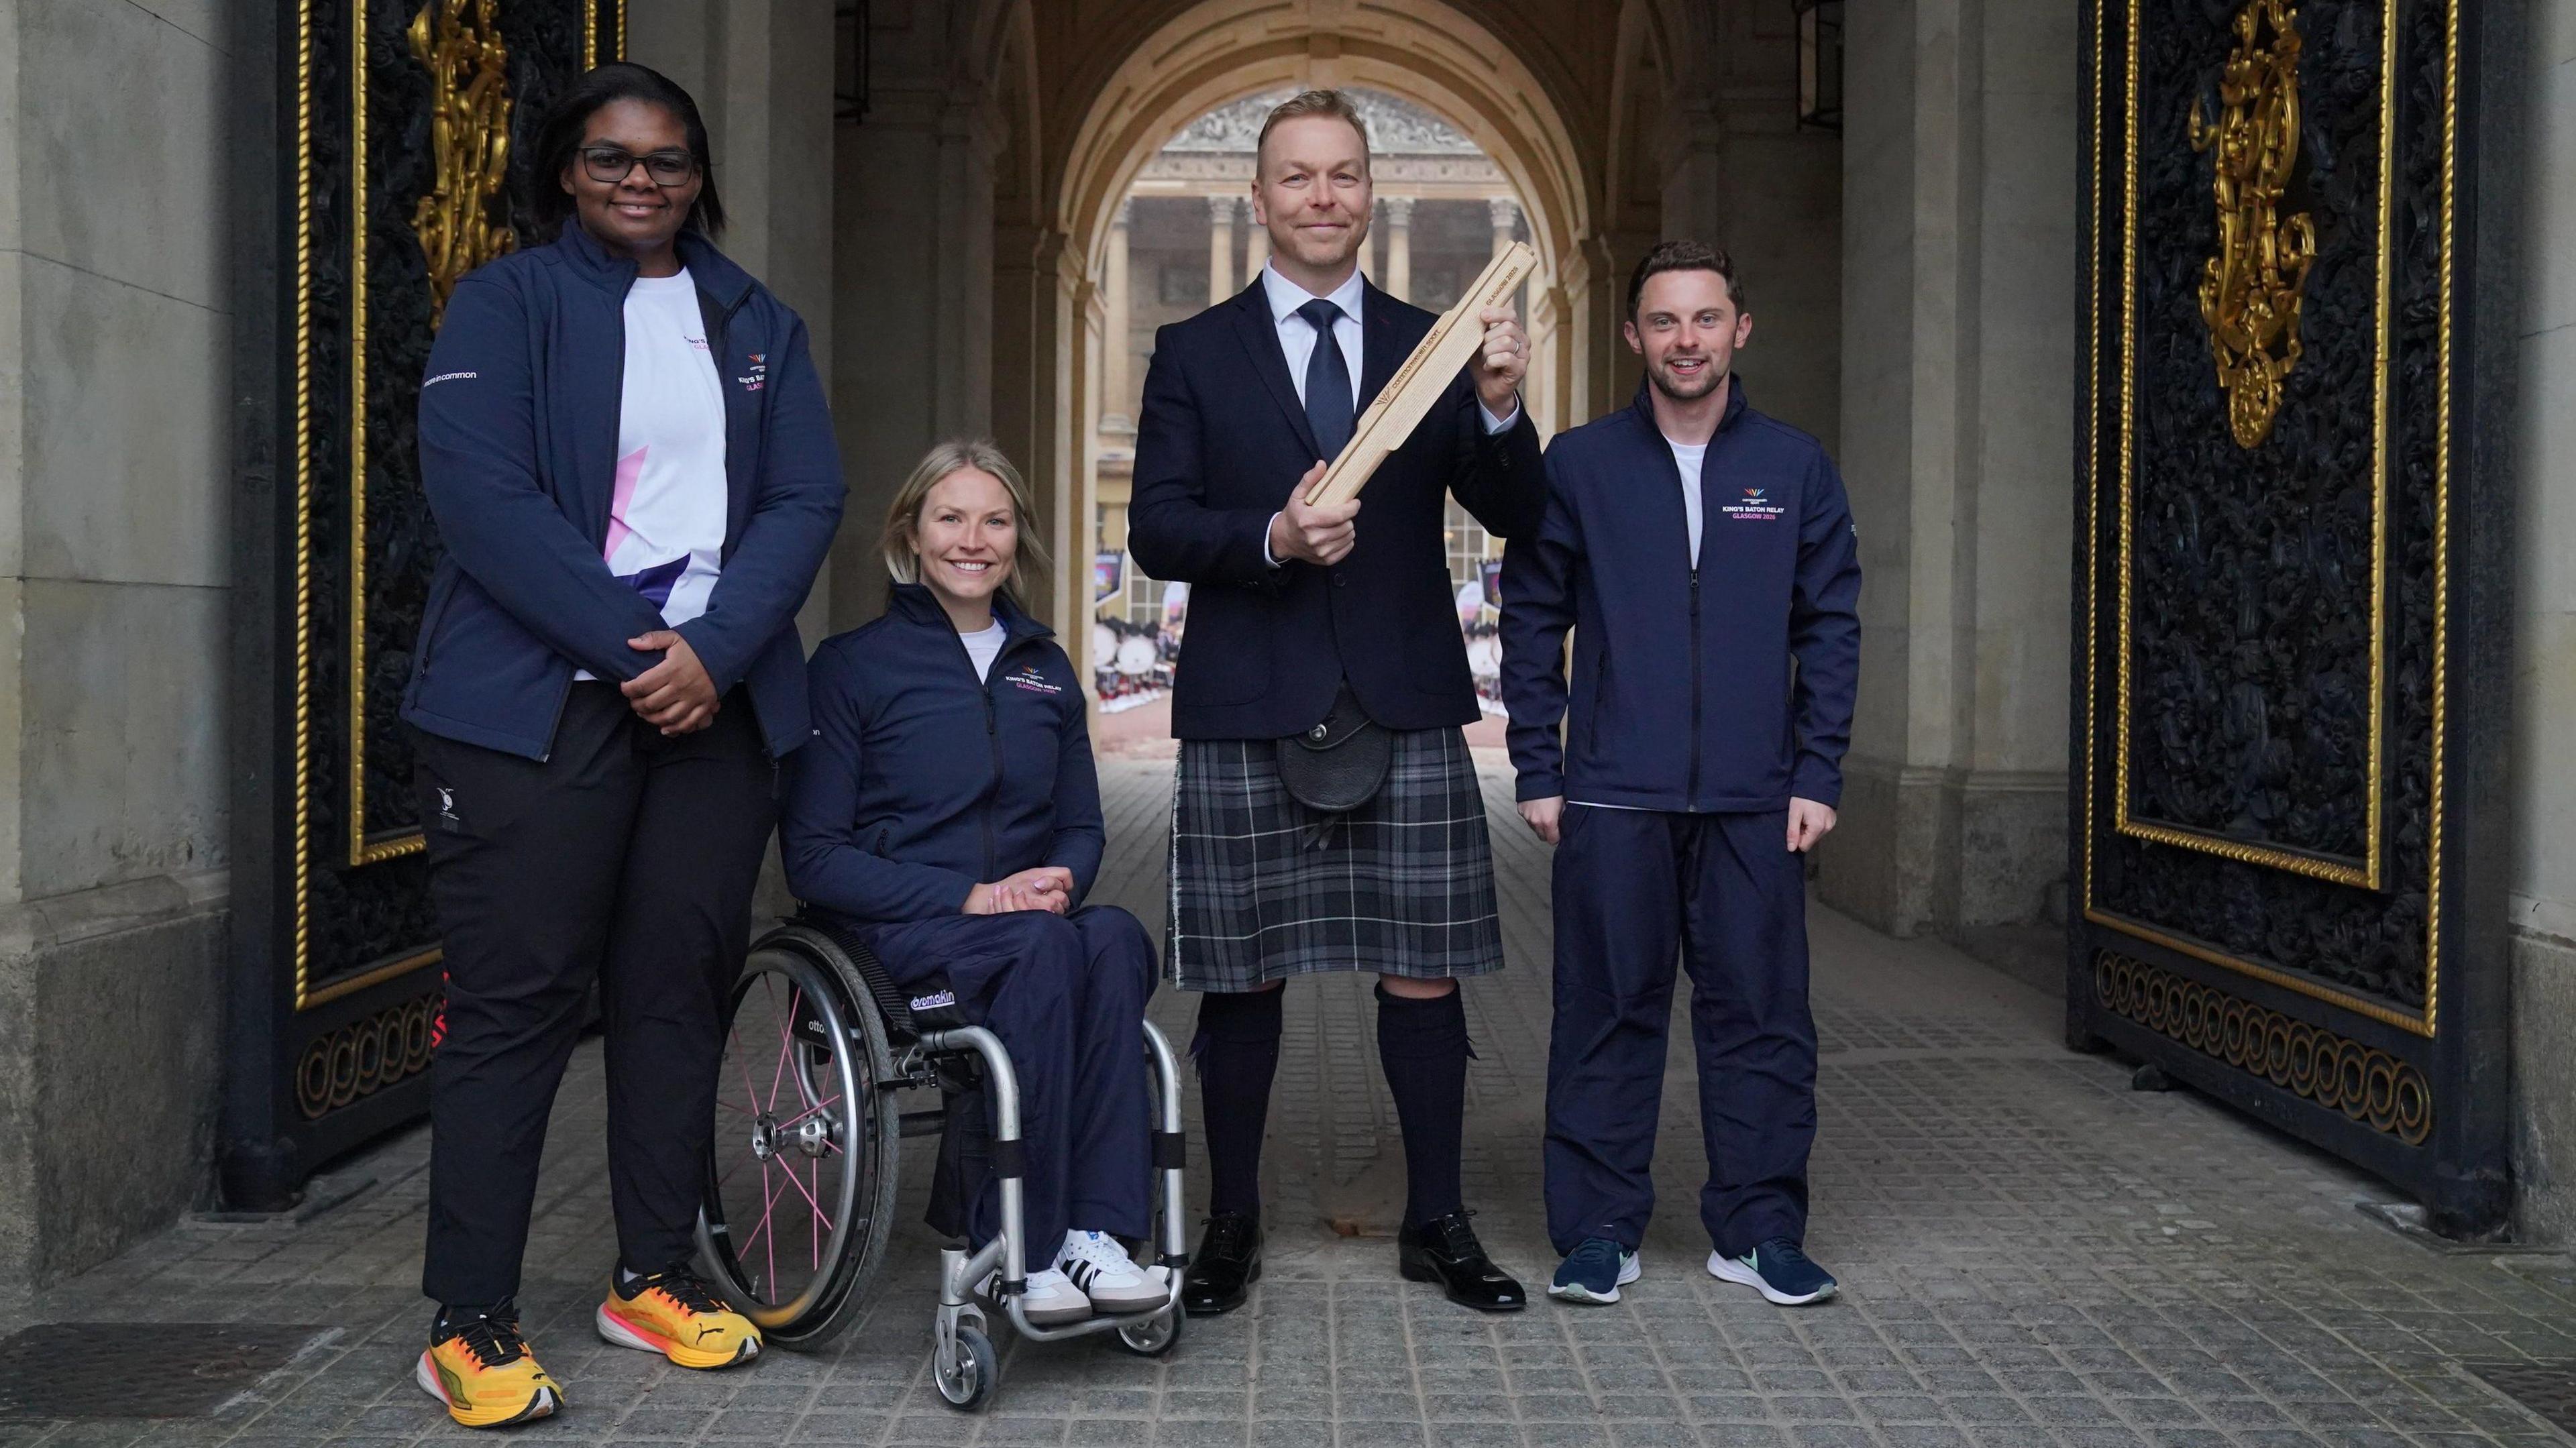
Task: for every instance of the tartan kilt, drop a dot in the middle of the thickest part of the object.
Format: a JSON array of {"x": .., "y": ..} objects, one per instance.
[{"x": 1264, "y": 888}]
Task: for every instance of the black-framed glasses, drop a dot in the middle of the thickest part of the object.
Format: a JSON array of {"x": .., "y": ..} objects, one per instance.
[{"x": 612, "y": 164}]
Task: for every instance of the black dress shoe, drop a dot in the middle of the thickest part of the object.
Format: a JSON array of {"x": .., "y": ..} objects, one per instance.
[
  {"x": 1226, "y": 1265},
  {"x": 1445, "y": 1250}
]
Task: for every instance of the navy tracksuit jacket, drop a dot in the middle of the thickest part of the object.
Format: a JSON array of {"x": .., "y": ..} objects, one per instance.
[
  {"x": 922, "y": 781},
  {"x": 1707, "y": 692},
  {"x": 518, "y": 458}
]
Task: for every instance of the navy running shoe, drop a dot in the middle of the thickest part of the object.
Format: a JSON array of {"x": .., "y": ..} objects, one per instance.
[
  {"x": 1594, "y": 1272},
  {"x": 1777, "y": 1270}
]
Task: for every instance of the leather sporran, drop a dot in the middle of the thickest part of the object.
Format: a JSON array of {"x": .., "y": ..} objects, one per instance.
[{"x": 1341, "y": 763}]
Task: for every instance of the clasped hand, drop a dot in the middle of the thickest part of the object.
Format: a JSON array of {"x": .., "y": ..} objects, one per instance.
[
  {"x": 675, "y": 695},
  {"x": 1048, "y": 888}
]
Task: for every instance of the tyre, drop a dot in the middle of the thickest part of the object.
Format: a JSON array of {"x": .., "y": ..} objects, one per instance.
[
  {"x": 969, "y": 1385},
  {"x": 801, "y": 1191},
  {"x": 1153, "y": 1336}
]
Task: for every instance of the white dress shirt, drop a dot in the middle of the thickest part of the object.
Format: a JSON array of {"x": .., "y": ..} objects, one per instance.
[{"x": 1297, "y": 344}]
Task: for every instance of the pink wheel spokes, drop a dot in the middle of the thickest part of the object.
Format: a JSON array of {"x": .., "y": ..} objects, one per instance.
[
  {"x": 824, "y": 1059},
  {"x": 808, "y": 1111},
  {"x": 811, "y": 1198},
  {"x": 786, "y": 1043}
]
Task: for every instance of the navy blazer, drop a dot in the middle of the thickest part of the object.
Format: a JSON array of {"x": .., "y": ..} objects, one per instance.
[
  {"x": 1222, "y": 441},
  {"x": 922, "y": 781},
  {"x": 1684, "y": 697},
  {"x": 519, "y": 413}
]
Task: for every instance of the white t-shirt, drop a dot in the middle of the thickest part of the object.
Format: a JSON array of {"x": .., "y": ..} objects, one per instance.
[
  {"x": 1687, "y": 456},
  {"x": 666, "y": 521},
  {"x": 985, "y": 645}
]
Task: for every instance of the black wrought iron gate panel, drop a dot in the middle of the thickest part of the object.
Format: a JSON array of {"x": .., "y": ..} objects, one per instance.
[
  {"x": 2277, "y": 851},
  {"x": 407, "y": 125}
]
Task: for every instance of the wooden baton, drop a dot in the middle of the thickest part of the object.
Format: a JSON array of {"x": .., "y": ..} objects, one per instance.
[{"x": 1408, "y": 395}]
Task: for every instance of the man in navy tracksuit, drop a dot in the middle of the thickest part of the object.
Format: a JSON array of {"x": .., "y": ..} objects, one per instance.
[{"x": 1710, "y": 707}]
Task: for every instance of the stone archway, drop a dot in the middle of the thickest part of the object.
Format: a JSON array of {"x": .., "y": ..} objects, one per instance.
[{"x": 1423, "y": 51}]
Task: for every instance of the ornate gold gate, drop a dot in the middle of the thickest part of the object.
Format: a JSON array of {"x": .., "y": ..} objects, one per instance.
[
  {"x": 2292, "y": 578},
  {"x": 405, "y": 125}
]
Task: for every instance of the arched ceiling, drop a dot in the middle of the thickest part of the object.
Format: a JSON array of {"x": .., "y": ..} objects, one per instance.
[{"x": 1427, "y": 51}]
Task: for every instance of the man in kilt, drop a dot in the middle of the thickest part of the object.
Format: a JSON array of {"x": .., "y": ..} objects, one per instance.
[{"x": 1308, "y": 627}]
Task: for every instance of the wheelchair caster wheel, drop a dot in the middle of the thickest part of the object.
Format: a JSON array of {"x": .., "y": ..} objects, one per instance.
[
  {"x": 969, "y": 1385},
  {"x": 1152, "y": 1336}
]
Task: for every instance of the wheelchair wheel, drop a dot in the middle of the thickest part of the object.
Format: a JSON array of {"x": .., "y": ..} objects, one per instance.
[
  {"x": 1153, "y": 1336},
  {"x": 801, "y": 1193},
  {"x": 969, "y": 1384}
]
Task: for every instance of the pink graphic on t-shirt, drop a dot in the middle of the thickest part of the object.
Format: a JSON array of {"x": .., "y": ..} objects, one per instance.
[{"x": 630, "y": 470}]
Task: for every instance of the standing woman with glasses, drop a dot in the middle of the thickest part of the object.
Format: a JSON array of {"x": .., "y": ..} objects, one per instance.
[{"x": 624, "y": 441}]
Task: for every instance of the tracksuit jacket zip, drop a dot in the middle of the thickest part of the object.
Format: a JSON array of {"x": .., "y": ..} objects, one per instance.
[
  {"x": 993, "y": 740},
  {"x": 717, "y": 317},
  {"x": 1715, "y": 682}
]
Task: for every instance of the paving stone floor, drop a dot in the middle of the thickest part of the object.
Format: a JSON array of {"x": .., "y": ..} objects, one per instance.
[{"x": 2031, "y": 1254}]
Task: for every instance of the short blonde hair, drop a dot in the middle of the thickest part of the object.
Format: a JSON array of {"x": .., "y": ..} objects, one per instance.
[
  {"x": 1312, "y": 103},
  {"x": 901, "y": 543}
]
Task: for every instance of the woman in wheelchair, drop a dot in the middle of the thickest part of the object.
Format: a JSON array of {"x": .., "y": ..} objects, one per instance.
[{"x": 948, "y": 810}]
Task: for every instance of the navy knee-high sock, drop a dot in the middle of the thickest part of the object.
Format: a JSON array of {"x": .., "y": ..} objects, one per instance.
[
  {"x": 1422, "y": 1046},
  {"x": 1238, "y": 1054}
]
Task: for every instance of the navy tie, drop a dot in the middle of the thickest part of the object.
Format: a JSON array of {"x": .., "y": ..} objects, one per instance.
[{"x": 1328, "y": 381}]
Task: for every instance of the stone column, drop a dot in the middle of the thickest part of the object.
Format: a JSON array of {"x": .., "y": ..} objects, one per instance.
[
  {"x": 1771, "y": 196},
  {"x": 1506, "y": 214},
  {"x": 1544, "y": 388},
  {"x": 1220, "y": 248},
  {"x": 1115, "y": 413},
  {"x": 914, "y": 272},
  {"x": 1256, "y": 247},
  {"x": 122, "y": 504},
  {"x": 2543, "y": 775},
  {"x": 1959, "y": 364},
  {"x": 1399, "y": 247}
]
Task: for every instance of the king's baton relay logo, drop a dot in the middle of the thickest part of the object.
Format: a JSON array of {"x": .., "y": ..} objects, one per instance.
[{"x": 1755, "y": 507}]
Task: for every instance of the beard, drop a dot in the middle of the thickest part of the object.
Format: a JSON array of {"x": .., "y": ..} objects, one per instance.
[{"x": 1682, "y": 391}]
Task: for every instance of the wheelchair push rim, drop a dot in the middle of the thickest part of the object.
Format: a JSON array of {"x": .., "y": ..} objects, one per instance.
[{"x": 801, "y": 1149}]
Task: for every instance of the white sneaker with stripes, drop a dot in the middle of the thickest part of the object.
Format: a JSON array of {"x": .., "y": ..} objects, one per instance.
[{"x": 1097, "y": 1264}]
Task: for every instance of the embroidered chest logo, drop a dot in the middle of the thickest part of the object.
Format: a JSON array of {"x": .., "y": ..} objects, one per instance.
[
  {"x": 758, "y": 377},
  {"x": 1027, "y": 677},
  {"x": 1754, "y": 507}
]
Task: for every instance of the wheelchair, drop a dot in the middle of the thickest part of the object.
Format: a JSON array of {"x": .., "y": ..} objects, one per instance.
[{"x": 822, "y": 1046}]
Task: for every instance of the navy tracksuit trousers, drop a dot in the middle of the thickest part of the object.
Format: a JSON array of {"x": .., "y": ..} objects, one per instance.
[
  {"x": 1066, "y": 994},
  {"x": 1634, "y": 889}
]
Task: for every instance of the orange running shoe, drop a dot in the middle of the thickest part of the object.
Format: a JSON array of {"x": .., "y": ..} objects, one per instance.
[
  {"x": 677, "y": 1315},
  {"x": 481, "y": 1368}
]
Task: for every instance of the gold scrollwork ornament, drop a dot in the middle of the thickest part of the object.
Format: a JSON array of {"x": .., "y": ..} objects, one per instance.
[
  {"x": 2249, "y": 291},
  {"x": 458, "y": 224}
]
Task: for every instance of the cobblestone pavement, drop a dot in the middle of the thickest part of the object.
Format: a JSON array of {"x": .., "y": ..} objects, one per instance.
[{"x": 2031, "y": 1255}]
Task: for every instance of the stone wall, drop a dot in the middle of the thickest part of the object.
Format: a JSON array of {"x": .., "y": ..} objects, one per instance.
[
  {"x": 1958, "y": 335},
  {"x": 2544, "y": 776},
  {"x": 115, "y": 565}
]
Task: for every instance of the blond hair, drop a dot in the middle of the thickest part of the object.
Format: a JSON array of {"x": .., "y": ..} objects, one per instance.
[
  {"x": 1312, "y": 103},
  {"x": 901, "y": 543}
]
